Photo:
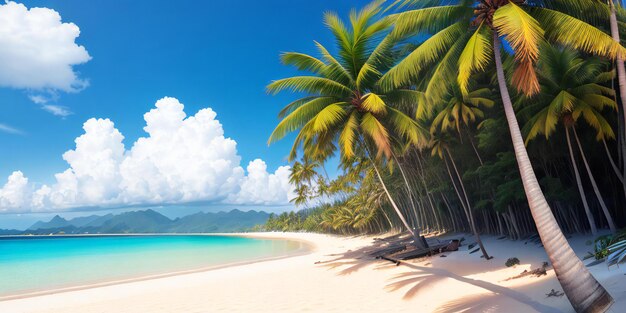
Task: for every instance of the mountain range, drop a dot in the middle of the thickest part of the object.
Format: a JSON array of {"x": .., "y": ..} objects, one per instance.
[{"x": 147, "y": 221}]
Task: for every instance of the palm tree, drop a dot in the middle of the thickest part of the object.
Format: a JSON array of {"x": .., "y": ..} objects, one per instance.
[
  {"x": 465, "y": 38},
  {"x": 571, "y": 89},
  {"x": 441, "y": 149},
  {"x": 302, "y": 175},
  {"x": 460, "y": 111},
  {"x": 344, "y": 105}
]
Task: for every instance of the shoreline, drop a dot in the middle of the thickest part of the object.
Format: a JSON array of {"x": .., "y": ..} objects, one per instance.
[
  {"x": 306, "y": 247},
  {"x": 337, "y": 276}
]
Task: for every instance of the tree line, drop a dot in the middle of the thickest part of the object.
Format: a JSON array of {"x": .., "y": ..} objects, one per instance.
[{"x": 492, "y": 116}]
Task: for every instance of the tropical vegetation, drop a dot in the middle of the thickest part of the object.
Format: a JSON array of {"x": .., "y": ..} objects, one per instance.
[{"x": 489, "y": 116}]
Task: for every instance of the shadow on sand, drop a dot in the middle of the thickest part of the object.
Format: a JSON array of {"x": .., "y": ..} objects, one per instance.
[{"x": 421, "y": 277}]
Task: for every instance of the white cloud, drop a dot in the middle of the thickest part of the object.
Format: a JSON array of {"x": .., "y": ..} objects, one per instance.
[
  {"x": 261, "y": 187},
  {"x": 14, "y": 195},
  {"x": 182, "y": 159},
  {"x": 57, "y": 110},
  {"x": 38, "y": 51},
  {"x": 11, "y": 130}
]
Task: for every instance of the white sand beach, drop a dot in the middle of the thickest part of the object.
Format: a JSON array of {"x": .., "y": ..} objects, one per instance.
[{"x": 334, "y": 277}]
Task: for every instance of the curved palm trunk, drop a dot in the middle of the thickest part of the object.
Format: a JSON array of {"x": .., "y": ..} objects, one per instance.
[
  {"x": 613, "y": 165},
  {"x": 582, "y": 289},
  {"x": 583, "y": 197},
  {"x": 432, "y": 206},
  {"x": 469, "y": 137},
  {"x": 621, "y": 71},
  {"x": 605, "y": 210},
  {"x": 408, "y": 187},
  {"x": 413, "y": 232},
  {"x": 621, "y": 80},
  {"x": 466, "y": 205}
]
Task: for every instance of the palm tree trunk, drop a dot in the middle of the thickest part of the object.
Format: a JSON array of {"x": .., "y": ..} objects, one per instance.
[
  {"x": 418, "y": 242},
  {"x": 432, "y": 207},
  {"x": 613, "y": 165},
  {"x": 452, "y": 219},
  {"x": 413, "y": 232},
  {"x": 582, "y": 289},
  {"x": 468, "y": 207},
  {"x": 480, "y": 160},
  {"x": 592, "y": 222},
  {"x": 621, "y": 71},
  {"x": 621, "y": 80},
  {"x": 406, "y": 184},
  {"x": 605, "y": 210}
]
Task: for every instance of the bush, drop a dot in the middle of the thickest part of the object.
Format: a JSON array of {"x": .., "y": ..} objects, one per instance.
[
  {"x": 511, "y": 262},
  {"x": 605, "y": 245}
]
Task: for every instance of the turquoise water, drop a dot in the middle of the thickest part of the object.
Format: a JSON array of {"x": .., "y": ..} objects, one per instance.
[{"x": 30, "y": 264}]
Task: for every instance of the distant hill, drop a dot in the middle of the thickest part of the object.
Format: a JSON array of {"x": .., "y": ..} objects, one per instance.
[
  {"x": 148, "y": 221},
  {"x": 5, "y": 232},
  {"x": 55, "y": 222},
  {"x": 220, "y": 222}
]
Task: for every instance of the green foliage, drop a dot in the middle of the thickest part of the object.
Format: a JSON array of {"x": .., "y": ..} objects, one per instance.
[
  {"x": 512, "y": 262},
  {"x": 410, "y": 91},
  {"x": 610, "y": 247}
]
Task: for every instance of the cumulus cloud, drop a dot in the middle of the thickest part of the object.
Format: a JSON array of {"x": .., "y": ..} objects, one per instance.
[
  {"x": 181, "y": 160},
  {"x": 14, "y": 195},
  {"x": 261, "y": 187},
  {"x": 37, "y": 50},
  {"x": 38, "y": 53}
]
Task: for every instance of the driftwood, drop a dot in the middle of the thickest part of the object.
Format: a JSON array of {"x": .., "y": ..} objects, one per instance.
[
  {"x": 388, "y": 250},
  {"x": 410, "y": 252}
]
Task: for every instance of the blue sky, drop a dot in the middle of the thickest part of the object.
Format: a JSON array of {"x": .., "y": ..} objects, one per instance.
[{"x": 217, "y": 54}]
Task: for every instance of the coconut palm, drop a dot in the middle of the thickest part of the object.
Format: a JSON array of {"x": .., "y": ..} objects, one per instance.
[
  {"x": 464, "y": 38},
  {"x": 572, "y": 90},
  {"x": 440, "y": 148},
  {"x": 344, "y": 106},
  {"x": 460, "y": 111}
]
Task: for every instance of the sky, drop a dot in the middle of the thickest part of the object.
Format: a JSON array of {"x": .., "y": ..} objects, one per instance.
[{"x": 123, "y": 104}]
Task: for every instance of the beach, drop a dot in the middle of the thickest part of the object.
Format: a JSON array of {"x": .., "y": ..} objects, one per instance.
[{"x": 334, "y": 276}]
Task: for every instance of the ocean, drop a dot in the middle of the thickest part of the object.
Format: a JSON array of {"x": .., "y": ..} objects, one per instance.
[{"x": 36, "y": 264}]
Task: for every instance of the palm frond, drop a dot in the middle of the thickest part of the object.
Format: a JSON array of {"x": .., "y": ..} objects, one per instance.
[
  {"x": 378, "y": 133},
  {"x": 374, "y": 104},
  {"x": 525, "y": 35},
  {"x": 299, "y": 117},
  {"x": 427, "y": 53},
  {"x": 567, "y": 30},
  {"x": 309, "y": 84},
  {"x": 475, "y": 56}
]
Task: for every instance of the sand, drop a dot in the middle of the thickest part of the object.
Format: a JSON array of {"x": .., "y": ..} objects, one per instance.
[{"x": 335, "y": 277}]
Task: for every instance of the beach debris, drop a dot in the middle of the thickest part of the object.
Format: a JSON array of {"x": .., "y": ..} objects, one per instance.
[
  {"x": 502, "y": 237},
  {"x": 538, "y": 272},
  {"x": 471, "y": 245},
  {"x": 512, "y": 262},
  {"x": 474, "y": 251},
  {"x": 452, "y": 246},
  {"x": 554, "y": 293},
  {"x": 400, "y": 250},
  {"x": 443, "y": 256}
]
